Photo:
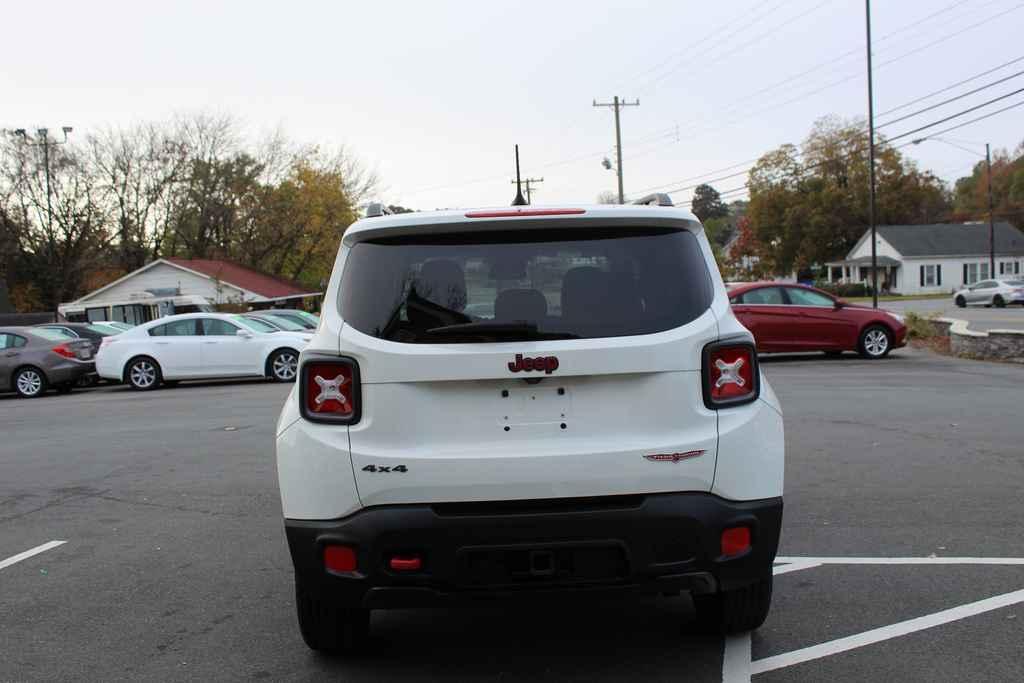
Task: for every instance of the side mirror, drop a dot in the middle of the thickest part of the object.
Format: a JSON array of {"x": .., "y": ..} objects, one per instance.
[
  {"x": 839, "y": 303},
  {"x": 244, "y": 334}
]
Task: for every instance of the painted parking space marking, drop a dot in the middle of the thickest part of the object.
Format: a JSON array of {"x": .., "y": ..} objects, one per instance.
[
  {"x": 877, "y": 635},
  {"x": 902, "y": 560},
  {"x": 737, "y": 659},
  {"x": 15, "y": 559}
]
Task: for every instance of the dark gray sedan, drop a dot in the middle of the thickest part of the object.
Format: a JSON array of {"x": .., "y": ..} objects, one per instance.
[{"x": 34, "y": 359}]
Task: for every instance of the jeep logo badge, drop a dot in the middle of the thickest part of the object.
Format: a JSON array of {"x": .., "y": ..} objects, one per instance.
[{"x": 546, "y": 364}]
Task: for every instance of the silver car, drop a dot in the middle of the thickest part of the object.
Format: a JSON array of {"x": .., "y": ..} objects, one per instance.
[
  {"x": 996, "y": 293},
  {"x": 33, "y": 359}
]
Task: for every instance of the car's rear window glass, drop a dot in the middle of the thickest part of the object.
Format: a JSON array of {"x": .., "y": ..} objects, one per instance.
[
  {"x": 101, "y": 330},
  {"x": 525, "y": 285},
  {"x": 52, "y": 335},
  {"x": 771, "y": 296}
]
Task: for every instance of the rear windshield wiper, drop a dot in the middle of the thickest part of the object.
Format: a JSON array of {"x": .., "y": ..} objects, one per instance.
[{"x": 490, "y": 328}]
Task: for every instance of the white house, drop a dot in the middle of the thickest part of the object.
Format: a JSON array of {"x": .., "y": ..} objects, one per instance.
[
  {"x": 926, "y": 259},
  {"x": 174, "y": 285}
]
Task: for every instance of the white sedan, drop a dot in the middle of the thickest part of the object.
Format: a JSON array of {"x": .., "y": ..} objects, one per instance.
[{"x": 199, "y": 346}]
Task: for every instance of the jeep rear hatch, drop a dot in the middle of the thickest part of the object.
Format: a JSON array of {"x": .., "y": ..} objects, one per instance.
[{"x": 501, "y": 364}]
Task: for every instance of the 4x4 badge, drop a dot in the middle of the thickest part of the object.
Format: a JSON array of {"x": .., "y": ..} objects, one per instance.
[
  {"x": 673, "y": 457},
  {"x": 545, "y": 364}
]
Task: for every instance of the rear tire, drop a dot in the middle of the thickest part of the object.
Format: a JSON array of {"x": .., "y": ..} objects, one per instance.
[
  {"x": 875, "y": 342},
  {"x": 960, "y": 302},
  {"x": 330, "y": 629},
  {"x": 143, "y": 374},
  {"x": 998, "y": 302},
  {"x": 30, "y": 382},
  {"x": 741, "y": 609}
]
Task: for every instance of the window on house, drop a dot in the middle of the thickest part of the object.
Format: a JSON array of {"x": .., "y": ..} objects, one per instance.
[
  {"x": 983, "y": 271},
  {"x": 931, "y": 276}
]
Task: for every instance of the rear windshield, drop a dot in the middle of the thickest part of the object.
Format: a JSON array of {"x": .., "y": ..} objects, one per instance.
[
  {"x": 525, "y": 285},
  {"x": 51, "y": 334}
]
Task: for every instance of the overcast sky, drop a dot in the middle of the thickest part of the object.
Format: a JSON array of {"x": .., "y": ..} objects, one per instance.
[{"x": 434, "y": 94}]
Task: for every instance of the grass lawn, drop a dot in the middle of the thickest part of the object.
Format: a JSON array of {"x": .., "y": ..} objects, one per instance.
[{"x": 912, "y": 297}]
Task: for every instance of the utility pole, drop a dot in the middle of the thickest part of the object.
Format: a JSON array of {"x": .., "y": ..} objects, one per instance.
[
  {"x": 871, "y": 163},
  {"x": 528, "y": 182},
  {"x": 991, "y": 218},
  {"x": 617, "y": 104}
]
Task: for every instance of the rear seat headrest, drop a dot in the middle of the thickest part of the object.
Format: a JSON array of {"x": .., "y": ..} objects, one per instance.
[
  {"x": 520, "y": 304},
  {"x": 443, "y": 282}
]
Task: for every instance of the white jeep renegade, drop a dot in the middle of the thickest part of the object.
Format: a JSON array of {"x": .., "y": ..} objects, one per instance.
[{"x": 521, "y": 401}]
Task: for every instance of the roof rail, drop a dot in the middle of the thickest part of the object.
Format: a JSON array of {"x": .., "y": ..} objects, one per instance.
[
  {"x": 656, "y": 199},
  {"x": 375, "y": 209}
]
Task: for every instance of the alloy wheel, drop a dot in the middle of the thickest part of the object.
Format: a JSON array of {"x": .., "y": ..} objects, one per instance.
[
  {"x": 142, "y": 374},
  {"x": 285, "y": 366},
  {"x": 876, "y": 342},
  {"x": 30, "y": 383}
]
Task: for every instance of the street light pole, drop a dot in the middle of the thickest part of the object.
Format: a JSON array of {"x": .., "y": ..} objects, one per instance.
[
  {"x": 991, "y": 219},
  {"x": 871, "y": 163},
  {"x": 44, "y": 134}
]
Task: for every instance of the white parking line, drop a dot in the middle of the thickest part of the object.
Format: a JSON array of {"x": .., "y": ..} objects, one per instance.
[
  {"x": 902, "y": 560},
  {"x": 794, "y": 567},
  {"x": 736, "y": 659},
  {"x": 14, "y": 559},
  {"x": 885, "y": 633}
]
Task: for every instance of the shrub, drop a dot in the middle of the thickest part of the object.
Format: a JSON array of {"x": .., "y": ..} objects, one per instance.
[
  {"x": 919, "y": 327},
  {"x": 845, "y": 288}
]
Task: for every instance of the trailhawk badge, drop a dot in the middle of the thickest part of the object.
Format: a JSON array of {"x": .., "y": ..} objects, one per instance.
[
  {"x": 673, "y": 457},
  {"x": 545, "y": 364}
]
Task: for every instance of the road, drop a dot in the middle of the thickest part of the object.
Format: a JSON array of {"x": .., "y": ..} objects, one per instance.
[
  {"x": 175, "y": 565},
  {"x": 978, "y": 318}
]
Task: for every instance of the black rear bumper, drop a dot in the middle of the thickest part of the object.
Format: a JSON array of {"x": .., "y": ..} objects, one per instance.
[{"x": 520, "y": 549}]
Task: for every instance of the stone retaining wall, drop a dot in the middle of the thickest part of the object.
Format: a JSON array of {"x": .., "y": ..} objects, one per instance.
[{"x": 1007, "y": 345}]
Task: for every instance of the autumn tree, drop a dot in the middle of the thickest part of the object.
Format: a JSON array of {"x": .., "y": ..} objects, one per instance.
[
  {"x": 708, "y": 204},
  {"x": 970, "y": 195},
  {"x": 810, "y": 205}
]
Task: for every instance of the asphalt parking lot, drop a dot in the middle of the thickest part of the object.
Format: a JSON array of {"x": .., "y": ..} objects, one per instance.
[
  {"x": 174, "y": 564},
  {"x": 978, "y": 318}
]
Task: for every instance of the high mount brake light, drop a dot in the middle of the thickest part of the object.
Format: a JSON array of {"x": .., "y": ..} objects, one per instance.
[
  {"x": 511, "y": 213},
  {"x": 329, "y": 391},
  {"x": 730, "y": 374}
]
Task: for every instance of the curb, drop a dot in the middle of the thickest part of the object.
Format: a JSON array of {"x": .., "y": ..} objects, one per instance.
[{"x": 1004, "y": 345}]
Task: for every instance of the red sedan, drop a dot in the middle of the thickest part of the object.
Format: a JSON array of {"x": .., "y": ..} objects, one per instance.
[{"x": 788, "y": 318}]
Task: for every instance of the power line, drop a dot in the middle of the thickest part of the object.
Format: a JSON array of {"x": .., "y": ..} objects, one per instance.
[
  {"x": 957, "y": 115},
  {"x": 965, "y": 123},
  {"x": 951, "y": 99},
  {"x": 950, "y": 87}
]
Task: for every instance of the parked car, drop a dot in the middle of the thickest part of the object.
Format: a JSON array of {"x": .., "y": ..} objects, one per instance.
[
  {"x": 33, "y": 360},
  {"x": 606, "y": 426},
  {"x": 996, "y": 293},
  {"x": 307, "y": 320},
  {"x": 90, "y": 331},
  {"x": 795, "y": 318},
  {"x": 198, "y": 346}
]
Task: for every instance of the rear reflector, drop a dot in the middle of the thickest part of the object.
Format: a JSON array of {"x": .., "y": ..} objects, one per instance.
[
  {"x": 340, "y": 558},
  {"x": 735, "y": 541},
  {"x": 510, "y": 213},
  {"x": 64, "y": 350},
  {"x": 406, "y": 563},
  {"x": 329, "y": 391},
  {"x": 730, "y": 374}
]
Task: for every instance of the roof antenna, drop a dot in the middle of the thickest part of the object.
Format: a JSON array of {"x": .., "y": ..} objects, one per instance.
[{"x": 519, "y": 200}]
